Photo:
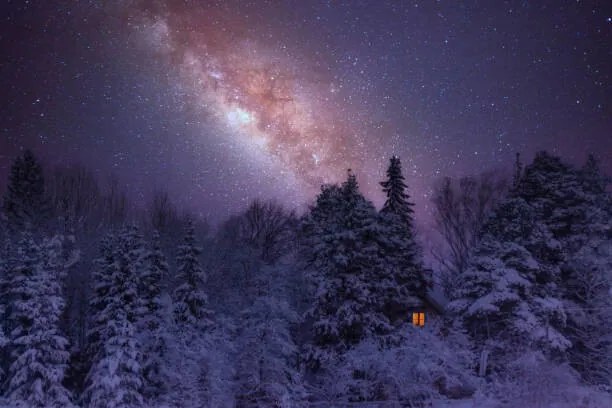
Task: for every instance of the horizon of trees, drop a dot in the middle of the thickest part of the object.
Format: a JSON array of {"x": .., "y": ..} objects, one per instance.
[{"x": 105, "y": 306}]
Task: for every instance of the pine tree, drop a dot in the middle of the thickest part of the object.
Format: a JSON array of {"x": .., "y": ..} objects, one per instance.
[
  {"x": 340, "y": 246},
  {"x": 39, "y": 351},
  {"x": 154, "y": 346},
  {"x": 131, "y": 255},
  {"x": 154, "y": 271},
  {"x": 405, "y": 280},
  {"x": 588, "y": 290},
  {"x": 576, "y": 207},
  {"x": 508, "y": 298},
  {"x": 115, "y": 378},
  {"x": 23, "y": 264},
  {"x": 398, "y": 201},
  {"x": 555, "y": 191},
  {"x": 190, "y": 301},
  {"x": 588, "y": 279},
  {"x": 103, "y": 270},
  {"x": 25, "y": 204}
]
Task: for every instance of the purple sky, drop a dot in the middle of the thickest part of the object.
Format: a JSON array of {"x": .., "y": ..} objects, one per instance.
[{"x": 222, "y": 103}]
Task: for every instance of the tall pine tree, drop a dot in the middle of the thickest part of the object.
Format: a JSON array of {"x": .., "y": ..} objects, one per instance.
[
  {"x": 190, "y": 301},
  {"x": 555, "y": 191},
  {"x": 576, "y": 207},
  {"x": 508, "y": 298},
  {"x": 341, "y": 250},
  {"x": 153, "y": 330},
  {"x": 115, "y": 377},
  {"x": 39, "y": 349},
  {"x": 406, "y": 277},
  {"x": 103, "y": 269}
]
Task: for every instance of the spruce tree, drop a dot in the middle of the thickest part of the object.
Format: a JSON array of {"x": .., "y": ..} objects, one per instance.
[
  {"x": 588, "y": 290},
  {"x": 508, "y": 298},
  {"x": 115, "y": 378},
  {"x": 588, "y": 279},
  {"x": 190, "y": 301},
  {"x": 25, "y": 203},
  {"x": 131, "y": 255},
  {"x": 103, "y": 269},
  {"x": 556, "y": 192},
  {"x": 154, "y": 342},
  {"x": 115, "y": 381},
  {"x": 576, "y": 207},
  {"x": 340, "y": 246},
  {"x": 398, "y": 200},
  {"x": 39, "y": 349},
  {"x": 23, "y": 265},
  {"x": 154, "y": 271},
  {"x": 404, "y": 280}
]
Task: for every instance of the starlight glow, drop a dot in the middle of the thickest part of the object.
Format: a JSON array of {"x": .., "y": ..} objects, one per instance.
[{"x": 238, "y": 117}]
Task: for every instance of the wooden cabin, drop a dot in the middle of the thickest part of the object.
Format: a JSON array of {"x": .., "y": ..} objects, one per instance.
[{"x": 431, "y": 307}]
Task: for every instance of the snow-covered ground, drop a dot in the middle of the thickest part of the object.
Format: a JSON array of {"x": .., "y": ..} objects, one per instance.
[{"x": 582, "y": 398}]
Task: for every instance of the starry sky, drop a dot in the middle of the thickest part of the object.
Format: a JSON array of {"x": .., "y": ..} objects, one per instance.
[{"x": 220, "y": 102}]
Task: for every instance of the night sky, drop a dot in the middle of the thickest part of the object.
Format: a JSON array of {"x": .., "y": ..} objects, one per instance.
[{"x": 220, "y": 102}]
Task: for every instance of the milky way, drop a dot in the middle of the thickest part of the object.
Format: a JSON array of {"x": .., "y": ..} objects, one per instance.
[
  {"x": 220, "y": 102},
  {"x": 260, "y": 99}
]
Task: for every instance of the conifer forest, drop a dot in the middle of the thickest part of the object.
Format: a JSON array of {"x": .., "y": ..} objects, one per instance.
[{"x": 107, "y": 307}]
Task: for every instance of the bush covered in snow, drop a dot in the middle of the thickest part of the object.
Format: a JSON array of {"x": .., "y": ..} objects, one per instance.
[{"x": 417, "y": 365}]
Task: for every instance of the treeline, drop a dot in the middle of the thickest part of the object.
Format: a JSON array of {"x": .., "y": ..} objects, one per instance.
[{"x": 104, "y": 305}]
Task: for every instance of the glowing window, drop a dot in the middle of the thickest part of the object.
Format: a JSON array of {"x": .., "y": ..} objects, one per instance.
[{"x": 418, "y": 319}]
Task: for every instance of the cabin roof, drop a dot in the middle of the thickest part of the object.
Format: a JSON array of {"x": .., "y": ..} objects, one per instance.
[{"x": 436, "y": 300}]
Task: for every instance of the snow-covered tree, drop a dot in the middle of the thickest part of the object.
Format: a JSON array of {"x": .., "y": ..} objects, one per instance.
[
  {"x": 576, "y": 207},
  {"x": 130, "y": 254},
  {"x": 190, "y": 301},
  {"x": 153, "y": 273},
  {"x": 103, "y": 270},
  {"x": 115, "y": 378},
  {"x": 554, "y": 189},
  {"x": 507, "y": 298},
  {"x": 340, "y": 248},
  {"x": 23, "y": 264},
  {"x": 404, "y": 280},
  {"x": 418, "y": 367},
  {"x": 25, "y": 203},
  {"x": 153, "y": 333},
  {"x": 39, "y": 349},
  {"x": 590, "y": 304}
]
